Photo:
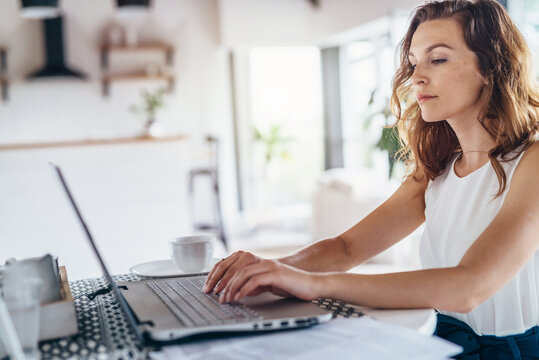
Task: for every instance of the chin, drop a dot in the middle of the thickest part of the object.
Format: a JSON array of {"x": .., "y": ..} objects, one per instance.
[{"x": 430, "y": 118}]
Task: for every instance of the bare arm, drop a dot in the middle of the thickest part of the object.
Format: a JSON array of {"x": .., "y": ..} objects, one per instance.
[
  {"x": 390, "y": 222},
  {"x": 397, "y": 217},
  {"x": 494, "y": 258}
]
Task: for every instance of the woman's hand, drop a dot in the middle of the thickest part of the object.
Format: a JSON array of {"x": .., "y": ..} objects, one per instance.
[
  {"x": 223, "y": 271},
  {"x": 273, "y": 276}
]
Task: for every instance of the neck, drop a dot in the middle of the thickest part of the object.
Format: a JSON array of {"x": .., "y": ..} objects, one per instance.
[
  {"x": 473, "y": 159},
  {"x": 474, "y": 141}
]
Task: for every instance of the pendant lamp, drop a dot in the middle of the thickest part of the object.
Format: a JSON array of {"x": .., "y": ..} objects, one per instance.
[
  {"x": 132, "y": 7},
  {"x": 39, "y": 9}
]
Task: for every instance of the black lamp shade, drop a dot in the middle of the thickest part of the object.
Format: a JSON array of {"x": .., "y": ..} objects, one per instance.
[
  {"x": 141, "y": 3},
  {"x": 46, "y": 3},
  {"x": 39, "y": 9},
  {"x": 133, "y": 8}
]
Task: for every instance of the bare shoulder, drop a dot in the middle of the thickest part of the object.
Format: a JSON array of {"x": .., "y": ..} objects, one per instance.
[
  {"x": 413, "y": 187},
  {"x": 525, "y": 181},
  {"x": 534, "y": 149},
  {"x": 417, "y": 181},
  {"x": 529, "y": 164}
]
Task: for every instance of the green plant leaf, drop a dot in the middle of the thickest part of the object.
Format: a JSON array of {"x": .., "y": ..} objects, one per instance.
[
  {"x": 152, "y": 101},
  {"x": 273, "y": 142}
]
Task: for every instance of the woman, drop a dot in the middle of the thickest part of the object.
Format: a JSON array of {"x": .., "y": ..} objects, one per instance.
[{"x": 467, "y": 107}]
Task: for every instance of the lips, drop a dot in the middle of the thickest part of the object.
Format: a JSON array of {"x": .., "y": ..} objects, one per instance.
[{"x": 421, "y": 98}]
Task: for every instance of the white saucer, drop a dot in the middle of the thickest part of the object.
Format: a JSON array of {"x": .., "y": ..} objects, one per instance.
[{"x": 164, "y": 268}]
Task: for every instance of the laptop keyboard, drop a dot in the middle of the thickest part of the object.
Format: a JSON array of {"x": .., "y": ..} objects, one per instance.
[{"x": 188, "y": 302}]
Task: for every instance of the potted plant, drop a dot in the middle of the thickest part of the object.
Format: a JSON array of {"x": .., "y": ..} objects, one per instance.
[
  {"x": 152, "y": 101},
  {"x": 389, "y": 140},
  {"x": 271, "y": 147},
  {"x": 273, "y": 143}
]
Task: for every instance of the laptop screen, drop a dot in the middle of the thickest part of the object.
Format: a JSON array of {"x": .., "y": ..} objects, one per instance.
[{"x": 106, "y": 274}]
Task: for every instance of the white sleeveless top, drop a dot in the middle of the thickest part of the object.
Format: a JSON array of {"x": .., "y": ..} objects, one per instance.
[{"x": 457, "y": 211}]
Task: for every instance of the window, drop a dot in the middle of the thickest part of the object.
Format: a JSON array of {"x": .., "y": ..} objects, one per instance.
[
  {"x": 368, "y": 66},
  {"x": 526, "y": 14},
  {"x": 286, "y": 103},
  {"x": 364, "y": 85}
]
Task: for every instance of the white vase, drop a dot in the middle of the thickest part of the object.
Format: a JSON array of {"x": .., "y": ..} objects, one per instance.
[{"x": 153, "y": 128}]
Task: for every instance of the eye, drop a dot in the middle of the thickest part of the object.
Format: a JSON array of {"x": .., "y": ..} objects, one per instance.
[
  {"x": 412, "y": 67},
  {"x": 438, "y": 61}
]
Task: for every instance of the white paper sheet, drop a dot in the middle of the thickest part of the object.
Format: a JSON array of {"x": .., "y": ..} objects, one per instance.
[{"x": 359, "y": 338}]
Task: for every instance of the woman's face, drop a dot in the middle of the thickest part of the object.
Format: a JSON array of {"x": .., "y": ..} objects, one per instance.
[{"x": 446, "y": 78}]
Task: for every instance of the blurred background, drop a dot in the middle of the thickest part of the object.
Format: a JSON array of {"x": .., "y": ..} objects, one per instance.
[{"x": 261, "y": 121}]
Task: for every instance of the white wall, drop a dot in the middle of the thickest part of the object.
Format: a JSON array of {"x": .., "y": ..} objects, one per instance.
[
  {"x": 297, "y": 22},
  {"x": 41, "y": 110},
  {"x": 133, "y": 196}
]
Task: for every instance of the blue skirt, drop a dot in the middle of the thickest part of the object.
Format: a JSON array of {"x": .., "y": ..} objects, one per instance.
[{"x": 523, "y": 346}]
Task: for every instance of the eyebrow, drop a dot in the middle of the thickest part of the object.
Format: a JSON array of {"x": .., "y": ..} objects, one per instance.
[{"x": 432, "y": 47}]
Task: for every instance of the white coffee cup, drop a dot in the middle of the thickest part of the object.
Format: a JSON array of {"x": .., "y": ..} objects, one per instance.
[{"x": 192, "y": 253}]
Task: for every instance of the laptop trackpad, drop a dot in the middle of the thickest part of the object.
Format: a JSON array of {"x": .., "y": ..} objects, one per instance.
[{"x": 275, "y": 307}]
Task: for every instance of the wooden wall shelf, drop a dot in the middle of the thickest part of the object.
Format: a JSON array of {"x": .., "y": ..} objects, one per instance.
[
  {"x": 92, "y": 142},
  {"x": 169, "y": 50},
  {"x": 108, "y": 79},
  {"x": 139, "y": 76}
]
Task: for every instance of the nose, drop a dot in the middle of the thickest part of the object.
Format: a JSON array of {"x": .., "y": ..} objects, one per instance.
[{"x": 419, "y": 76}]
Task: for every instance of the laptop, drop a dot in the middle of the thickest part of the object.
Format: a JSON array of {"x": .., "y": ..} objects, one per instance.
[{"x": 177, "y": 309}]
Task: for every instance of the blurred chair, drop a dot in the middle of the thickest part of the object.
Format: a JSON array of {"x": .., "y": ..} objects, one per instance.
[
  {"x": 208, "y": 173},
  {"x": 342, "y": 197}
]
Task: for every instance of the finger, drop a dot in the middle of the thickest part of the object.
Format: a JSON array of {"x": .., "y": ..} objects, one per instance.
[
  {"x": 213, "y": 269},
  {"x": 253, "y": 284},
  {"x": 211, "y": 279},
  {"x": 259, "y": 290},
  {"x": 245, "y": 260},
  {"x": 218, "y": 270},
  {"x": 241, "y": 277}
]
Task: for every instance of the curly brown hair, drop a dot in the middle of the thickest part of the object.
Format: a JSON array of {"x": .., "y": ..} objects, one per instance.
[{"x": 512, "y": 114}]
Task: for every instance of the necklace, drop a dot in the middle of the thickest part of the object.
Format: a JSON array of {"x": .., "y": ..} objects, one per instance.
[
  {"x": 462, "y": 153},
  {"x": 475, "y": 151}
]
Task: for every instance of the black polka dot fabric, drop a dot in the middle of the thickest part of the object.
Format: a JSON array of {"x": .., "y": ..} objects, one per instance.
[
  {"x": 103, "y": 331},
  {"x": 339, "y": 308},
  {"x": 105, "y": 334}
]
